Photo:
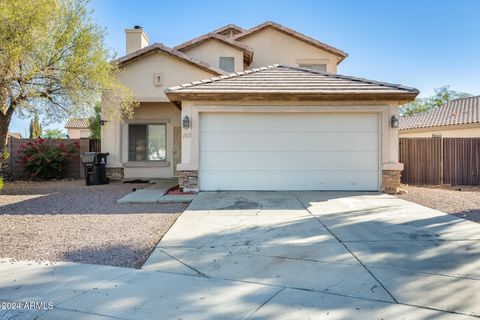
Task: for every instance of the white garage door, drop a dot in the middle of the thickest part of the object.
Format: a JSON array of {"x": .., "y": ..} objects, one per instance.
[{"x": 297, "y": 151}]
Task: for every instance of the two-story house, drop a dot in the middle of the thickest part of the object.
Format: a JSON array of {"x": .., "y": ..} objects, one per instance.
[{"x": 255, "y": 109}]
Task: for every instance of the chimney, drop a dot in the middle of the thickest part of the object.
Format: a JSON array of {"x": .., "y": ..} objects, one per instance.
[{"x": 136, "y": 39}]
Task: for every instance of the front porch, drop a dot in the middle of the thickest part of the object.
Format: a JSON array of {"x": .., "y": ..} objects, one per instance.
[{"x": 147, "y": 146}]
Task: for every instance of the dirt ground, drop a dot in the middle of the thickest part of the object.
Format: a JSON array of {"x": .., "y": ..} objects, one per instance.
[
  {"x": 462, "y": 201},
  {"x": 68, "y": 221}
]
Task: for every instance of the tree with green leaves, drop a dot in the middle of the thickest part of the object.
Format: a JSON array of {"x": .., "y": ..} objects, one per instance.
[
  {"x": 53, "y": 62},
  {"x": 94, "y": 122},
  {"x": 54, "y": 134},
  {"x": 441, "y": 96},
  {"x": 35, "y": 127}
]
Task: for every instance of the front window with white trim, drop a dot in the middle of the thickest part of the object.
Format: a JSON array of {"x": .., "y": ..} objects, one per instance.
[{"x": 147, "y": 142}]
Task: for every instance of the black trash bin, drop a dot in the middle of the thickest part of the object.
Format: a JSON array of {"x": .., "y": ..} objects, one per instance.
[{"x": 94, "y": 166}]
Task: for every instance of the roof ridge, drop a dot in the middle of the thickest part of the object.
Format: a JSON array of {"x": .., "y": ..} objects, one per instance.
[
  {"x": 172, "y": 51},
  {"x": 294, "y": 33},
  {"x": 470, "y": 97},
  {"x": 228, "y": 26},
  {"x": 217, "y": 36},
  {"x": 437, "y": 109}
]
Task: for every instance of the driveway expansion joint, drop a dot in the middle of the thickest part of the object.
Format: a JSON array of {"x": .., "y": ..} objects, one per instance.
[
  {"x": 264, "y": 303},
  {"x": 346, "y": 248},
  {"x": 200, "y": 274}
]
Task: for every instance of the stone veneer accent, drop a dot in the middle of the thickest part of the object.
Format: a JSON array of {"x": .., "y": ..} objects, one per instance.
[
  {"x": 188, "y": 180},
  {"x": 115, "y": 173},
  {"x": 390, "y": 181}
]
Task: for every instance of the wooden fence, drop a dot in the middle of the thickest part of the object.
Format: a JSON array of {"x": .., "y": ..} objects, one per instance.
[{"x": 432, "y": 161}]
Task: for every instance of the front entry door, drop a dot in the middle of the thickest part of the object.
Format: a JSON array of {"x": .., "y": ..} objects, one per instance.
[{"x": 177, "y": 148}]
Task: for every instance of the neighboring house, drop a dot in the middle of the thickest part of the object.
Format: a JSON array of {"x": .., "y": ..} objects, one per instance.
[
  {"x": 78, "y": 128},
  {"x": 15, "y": 135},
  {"x": 288, "y": 123},
  {"x": 459, "y": 118}
]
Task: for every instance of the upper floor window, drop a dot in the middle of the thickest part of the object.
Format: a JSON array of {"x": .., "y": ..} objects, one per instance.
[
  {"x": 316, "y": 67},
  {"x": 227, "y": 64}
]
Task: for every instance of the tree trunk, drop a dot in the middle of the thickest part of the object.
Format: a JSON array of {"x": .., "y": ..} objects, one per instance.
[{"x": 4, "y": 124}]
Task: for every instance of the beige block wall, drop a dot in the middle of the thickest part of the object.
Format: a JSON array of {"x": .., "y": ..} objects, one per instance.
[
  {"x": 78, "y": 133},
  {"x": 210, "y": 52},
  {"x": 271, "y": 46},
  {"x": 459, "y": 131},
  {"x": 388, "y": 136},
  {"x": 139, "y": 75},
  {"x": 115, "y": 140}
]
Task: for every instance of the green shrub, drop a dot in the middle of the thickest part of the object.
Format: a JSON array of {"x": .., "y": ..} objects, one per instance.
[
  {"x": 46, "y": 161},
  {"x": 1, "y": 183}
]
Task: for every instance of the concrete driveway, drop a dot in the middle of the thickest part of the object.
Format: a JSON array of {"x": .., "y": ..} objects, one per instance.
[
  {"x": 348, "y": 255},
  {"x": 276, "y": 255}
]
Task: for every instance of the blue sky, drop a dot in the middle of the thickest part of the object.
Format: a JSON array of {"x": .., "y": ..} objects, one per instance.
[{"x": 420, "y": 43}]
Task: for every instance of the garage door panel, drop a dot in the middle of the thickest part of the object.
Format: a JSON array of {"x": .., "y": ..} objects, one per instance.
[
  {"x": 288, "y": 151},
  {"x": 334, "y": 180},
  {"x": 289, "y": 161},
  {"x": 293, "y": 122},
  {"x": 293, "y": 141}
]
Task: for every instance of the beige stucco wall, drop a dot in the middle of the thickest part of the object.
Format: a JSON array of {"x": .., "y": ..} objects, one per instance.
[
  {"x": 78, "y": 133},
  {"x": 271, "y": 46},
  {"x": 459, "y": 131},
  {"x": 388, "y": 136},
  {"x": 115, "y": 141},
  {"x": 155, "y": 107},
  {"x": 139, "y": 75},
  {"x": 210, "y": 52}
]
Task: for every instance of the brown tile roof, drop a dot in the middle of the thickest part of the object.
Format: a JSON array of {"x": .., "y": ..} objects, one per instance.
[
  {"x": 455, "y": 112},
  {"x": 300, "y": 36},
  {"x": 231, "y": 26},
  {"x": 77, "y": 123},
  {"x": 281, "y": 81},
  {"x": 160, "y": 47},
  {"x": 247, "y": 51}
]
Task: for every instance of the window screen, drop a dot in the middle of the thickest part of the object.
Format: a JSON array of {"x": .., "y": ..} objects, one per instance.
[
  {"x": 146, "y": 142},
  {"x": 227, "y": 64},
  {"x": 316, "y": 67}
]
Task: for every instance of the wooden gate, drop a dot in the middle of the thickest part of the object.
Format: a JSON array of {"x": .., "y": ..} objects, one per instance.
[
  {"x": 461, "y": 161},
  {"x": 422, "y": 160},
  {"x": 95, "y": 145}
]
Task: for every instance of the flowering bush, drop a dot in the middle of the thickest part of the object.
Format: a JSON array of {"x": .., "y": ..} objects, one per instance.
[{"x": 46, "y": 161}]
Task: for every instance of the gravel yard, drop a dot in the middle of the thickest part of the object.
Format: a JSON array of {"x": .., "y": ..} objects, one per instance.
[
  {"x": 462, "y": 201},
  {"x": 68, "y": 221}
]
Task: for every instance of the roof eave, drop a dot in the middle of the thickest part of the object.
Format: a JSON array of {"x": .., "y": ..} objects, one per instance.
[
  {"x": 288, "y": 96},
  {"x": 131, "y": 57},
  {"x": 247, "y": 52}
]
